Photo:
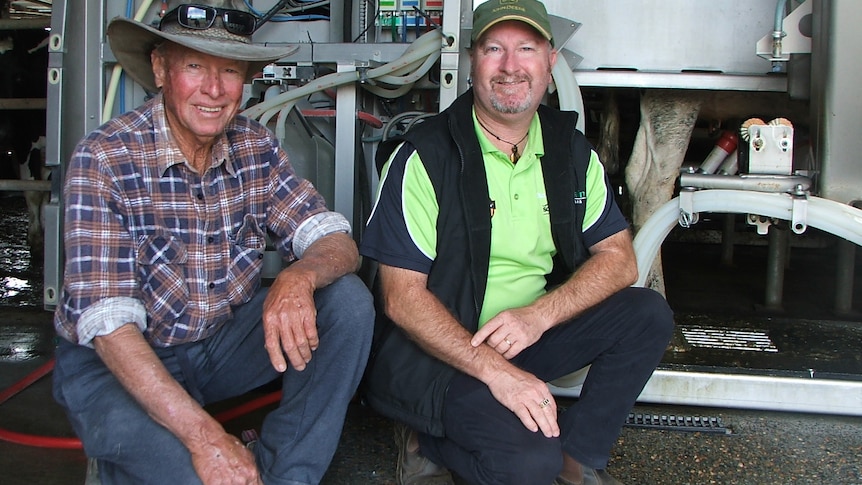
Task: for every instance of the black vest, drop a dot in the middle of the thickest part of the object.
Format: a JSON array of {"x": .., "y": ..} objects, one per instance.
[{"x": 402, "y": 381}]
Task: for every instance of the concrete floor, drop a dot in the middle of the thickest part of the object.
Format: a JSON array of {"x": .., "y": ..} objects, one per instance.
[{"x": 761, "y": 447}]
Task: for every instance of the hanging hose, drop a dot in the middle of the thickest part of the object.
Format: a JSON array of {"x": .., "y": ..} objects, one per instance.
[
  {"x": 427, "y": 45},
  {"x": 833, "y": 217},
  {"x": 75, "y": 443}
]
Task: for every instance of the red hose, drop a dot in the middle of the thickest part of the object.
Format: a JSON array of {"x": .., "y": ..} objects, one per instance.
[
  {"x": 28, "y": 380},
  {"x": 367, "y": 118},
  {"x": 75, "y": 443}
]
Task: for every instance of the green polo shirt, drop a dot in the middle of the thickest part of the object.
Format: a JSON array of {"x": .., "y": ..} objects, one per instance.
[{"x": 522, "y": 247}]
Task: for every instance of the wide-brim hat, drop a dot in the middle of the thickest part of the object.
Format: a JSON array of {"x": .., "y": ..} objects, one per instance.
[
  {"x": 492, "y": 12},
  {"x": 132, "y": 42}
]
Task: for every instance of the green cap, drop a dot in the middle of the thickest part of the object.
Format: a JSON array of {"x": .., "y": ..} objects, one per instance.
[{"x": 491, "y": 12}]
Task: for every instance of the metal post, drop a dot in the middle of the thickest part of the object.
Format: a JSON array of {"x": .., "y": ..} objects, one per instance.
[
  {"x": 345, "y": 146},
  {"x": 846, "y": 262},
  {"x": 775, "y": 264},
  {"x": 727, "y": 239}
]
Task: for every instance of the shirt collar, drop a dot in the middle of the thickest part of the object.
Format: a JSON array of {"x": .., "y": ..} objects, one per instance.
[
  {"x": 168, "y": 153},
  {"x": 534, "y": 149}
]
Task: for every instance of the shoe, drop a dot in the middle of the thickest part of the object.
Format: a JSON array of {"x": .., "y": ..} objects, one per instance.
[
  {"x": 92, "y": 477},
  {"x": 413, "y": 468},
  {"x": 591, "y": 477}
]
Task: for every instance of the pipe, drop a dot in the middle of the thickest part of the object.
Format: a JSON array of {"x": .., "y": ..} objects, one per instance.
[
  {"x": 778, "y": 29},
  {"x": 424, "y": 52},
  {"x": 752, "y": 182},
  {"x": 13, "y": 185},
  {"x": 780, "y": 8},
  {"x": 75, "y": 443},
  {"x": 568, "y": 91},
  {"x": 428, "y": 44},
  {"x": 776, "y": 260},
  {"x": 833, "y": 217},
  {"x": 363, "y": 116}
]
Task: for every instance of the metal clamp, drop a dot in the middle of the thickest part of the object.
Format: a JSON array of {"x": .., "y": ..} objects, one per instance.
[
  {"x": 799, "y": 210},
  {"x": 687, "y": 216}
]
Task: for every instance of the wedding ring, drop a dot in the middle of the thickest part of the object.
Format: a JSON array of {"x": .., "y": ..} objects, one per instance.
[{"x": 507, "y": 341}]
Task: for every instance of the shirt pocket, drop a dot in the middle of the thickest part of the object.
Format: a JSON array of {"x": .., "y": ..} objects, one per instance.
[
  {"x": 246, "y": 252},
  {"x": 161, "y": 265}
]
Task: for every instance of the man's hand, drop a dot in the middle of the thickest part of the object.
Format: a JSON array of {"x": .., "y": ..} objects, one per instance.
[
  {"x": 217, "y": 457},
  {"x": 510, "y": 331},
  {"x": 225, "y": 461},
  {"x": 290, "y": 320},
  {"x": 529, "y": 398}
]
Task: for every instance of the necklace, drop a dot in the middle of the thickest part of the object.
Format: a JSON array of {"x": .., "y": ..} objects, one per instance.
[{"x": 515, "y": 155}]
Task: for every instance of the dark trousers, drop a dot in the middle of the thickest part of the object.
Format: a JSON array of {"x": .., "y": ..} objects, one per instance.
[{"x": 623, "y": 339}]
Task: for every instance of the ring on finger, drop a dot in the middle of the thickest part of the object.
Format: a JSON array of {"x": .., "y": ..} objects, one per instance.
[
  {"x": 507, "y": 341},
  {"x": 545, "y": 402}
]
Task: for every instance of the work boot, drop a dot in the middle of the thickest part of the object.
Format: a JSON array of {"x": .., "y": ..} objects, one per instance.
[
  {"x": 413, "y": 468},
  {"x": 591, "y": 477}
]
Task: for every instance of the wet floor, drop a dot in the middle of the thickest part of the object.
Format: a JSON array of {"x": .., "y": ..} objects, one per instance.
[
  {"x": 20, "y": 277},
  {"x": 711, "y": 301}
]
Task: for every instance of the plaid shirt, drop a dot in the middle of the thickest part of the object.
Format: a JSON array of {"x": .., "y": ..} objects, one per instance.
[{"x": 150, "y": 241}]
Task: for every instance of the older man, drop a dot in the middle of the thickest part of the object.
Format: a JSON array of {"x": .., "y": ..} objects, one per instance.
[
  {"x": 167, "y": 212},
  {"x": 505, "y": 263}
]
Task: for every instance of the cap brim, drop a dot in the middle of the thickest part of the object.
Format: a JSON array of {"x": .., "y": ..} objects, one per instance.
[
  {"x": 132, "y": 42},
  {"x": 545, "y": 33}
]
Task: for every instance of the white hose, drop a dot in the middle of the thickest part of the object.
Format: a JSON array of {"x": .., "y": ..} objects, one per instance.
[
  {"x": 833, "y": 217},
  {"x": 568, "y": 91},
  {"x": 427, "y": 45}
]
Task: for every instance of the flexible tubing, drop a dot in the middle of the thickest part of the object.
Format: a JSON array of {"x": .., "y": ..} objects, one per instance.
[
  {"x": 780, "y": 7},
  {"x": 422, "y": 47},
  {"x": 568, "y": 91},
  {"x": 111, "y": 95},
  {"x": 75, "y": 443},
  {"x": 833, "y": 217},
  {"x": 363, "y": 116},
  {"x": 426, "y": 46}
]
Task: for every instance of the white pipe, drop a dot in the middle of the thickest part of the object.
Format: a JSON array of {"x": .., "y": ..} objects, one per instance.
[
  {"x": 568, "y": 91},
  {"x": 754, "y": 182},
  {"x": 426, "y": 45},
  {"x": 833, "y": 217}
]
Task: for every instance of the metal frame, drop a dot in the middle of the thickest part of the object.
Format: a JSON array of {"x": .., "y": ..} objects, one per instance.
[
  {"x": 744, "y": 391},
  {"x": 77, "y": 88}
]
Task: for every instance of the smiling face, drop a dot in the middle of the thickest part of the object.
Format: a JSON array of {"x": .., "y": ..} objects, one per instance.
[
  {"x": 202, "y": 93},
  {"x": 511, "y": 69}
]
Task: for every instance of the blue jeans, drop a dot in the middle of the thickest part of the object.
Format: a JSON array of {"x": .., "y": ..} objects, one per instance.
[
  {"x": 297, "y": 439},
  {"x": 623, "y": 339}
]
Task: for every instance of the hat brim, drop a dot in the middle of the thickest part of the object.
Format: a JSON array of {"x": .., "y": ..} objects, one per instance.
[
  {"x": 132, "y": 42},
  {"x": 543, "y": 31}
]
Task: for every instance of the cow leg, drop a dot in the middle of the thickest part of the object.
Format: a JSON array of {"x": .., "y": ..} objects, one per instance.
[{"x": 667, "y": 120}]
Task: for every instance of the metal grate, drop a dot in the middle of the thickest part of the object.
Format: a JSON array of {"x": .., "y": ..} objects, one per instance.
[
  {"x": 728, "y": 338},
  {"x": 702, "y": 424}
]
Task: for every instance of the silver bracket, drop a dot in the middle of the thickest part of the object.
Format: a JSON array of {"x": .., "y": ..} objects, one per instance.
[
  {"x": 762, "y": 223},
  {"x": 687, "y": 216},
  {"x": 799, "y": 212}
]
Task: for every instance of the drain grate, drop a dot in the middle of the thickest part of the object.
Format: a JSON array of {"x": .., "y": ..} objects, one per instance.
[
  {"x": 728, "y": 338},
  {"x": 702, "y": 424}
]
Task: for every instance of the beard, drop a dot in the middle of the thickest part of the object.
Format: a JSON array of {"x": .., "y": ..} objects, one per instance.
[{"x": 509, "y": 98}]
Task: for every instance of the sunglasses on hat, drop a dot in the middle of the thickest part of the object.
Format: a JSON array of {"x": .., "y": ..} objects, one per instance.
[{"x": 202, "y": 17}]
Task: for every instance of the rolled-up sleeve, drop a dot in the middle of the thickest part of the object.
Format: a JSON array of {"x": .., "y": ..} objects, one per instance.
[
  {"x": 317, "y": 226},
  {"x": 109, "y": 314}
]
